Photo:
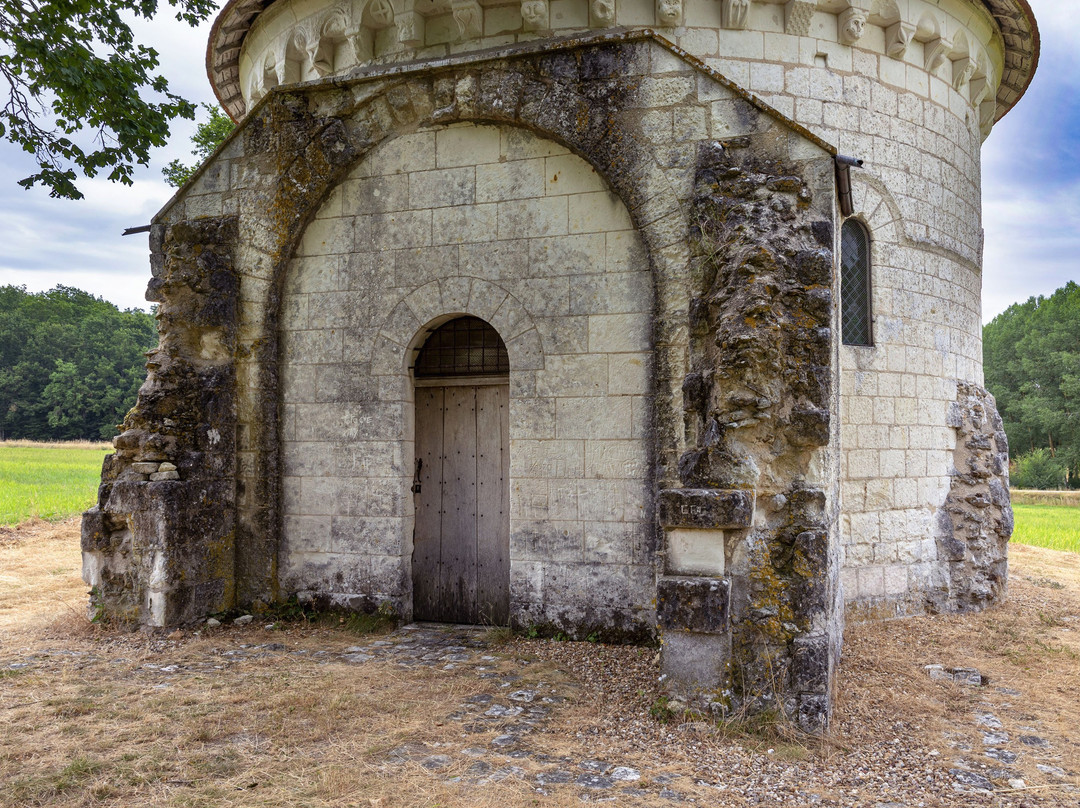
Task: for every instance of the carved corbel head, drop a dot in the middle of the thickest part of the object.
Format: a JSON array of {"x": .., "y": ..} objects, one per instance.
[
  {"x": 734, "y": 13},
  {"x": 936, "y": 51},
  {"x": 962, "y": 71},
  {"x": 601, "y": 13},
  {"x": 852, "y": 23},
  {"x": 273, "y": 69},
  {"x": 669, "y": 12},
  {"x": 978, "y": 90},
  {"x": 410, "y": 28},
  {"x": 534, "y": 15},
  {"x": 323, "y": 51}
]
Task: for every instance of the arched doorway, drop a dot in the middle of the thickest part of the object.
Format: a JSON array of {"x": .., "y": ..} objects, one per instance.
[{"x": 461, "y": 545}]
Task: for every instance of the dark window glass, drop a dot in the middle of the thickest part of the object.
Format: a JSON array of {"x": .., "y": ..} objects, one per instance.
[
  {"x": 466, "y": 346},
  {"x": 855, "y": 284}
]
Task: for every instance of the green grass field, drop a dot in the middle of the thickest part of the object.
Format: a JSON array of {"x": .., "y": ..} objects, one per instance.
[
  {"x": 1056, "y": 527},
  {"x": 48, "y": 481}
]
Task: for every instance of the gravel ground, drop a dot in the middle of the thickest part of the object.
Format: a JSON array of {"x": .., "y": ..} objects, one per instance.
[
  {"x": 467, "y": 720},
  {"x": 875, "y": 757}
]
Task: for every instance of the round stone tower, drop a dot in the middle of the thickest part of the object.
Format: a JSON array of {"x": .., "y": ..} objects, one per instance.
[
  {"x": 909, "y": 87},
  {"x": 627, "y": 318}
]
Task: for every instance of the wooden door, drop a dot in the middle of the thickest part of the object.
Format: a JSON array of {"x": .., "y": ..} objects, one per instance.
[{"x": 461, "y": 546}]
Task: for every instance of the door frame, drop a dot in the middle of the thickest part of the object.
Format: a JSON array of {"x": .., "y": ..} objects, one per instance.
[{"x": 500, "y": 380}]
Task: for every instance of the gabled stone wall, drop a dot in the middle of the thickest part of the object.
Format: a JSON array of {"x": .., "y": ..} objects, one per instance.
[
  {"x": 501, "y": 224},
  {"x": 733, "y": 208}
]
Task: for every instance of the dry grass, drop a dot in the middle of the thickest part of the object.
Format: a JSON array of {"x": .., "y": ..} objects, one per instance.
[
  {"x": 96, "y": 721},
  {"x": 40, "y": 571},
  {"x": 273, "y": 731},
  {"x": 1029, "y": 647},
  {"x": 1025, "y": 496},
  {"x": 99, "y": 723},
  {"x": 57, "y": 444}
]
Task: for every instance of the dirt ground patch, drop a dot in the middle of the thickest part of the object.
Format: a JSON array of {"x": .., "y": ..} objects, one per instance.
[{"x": 315, "y": 716}]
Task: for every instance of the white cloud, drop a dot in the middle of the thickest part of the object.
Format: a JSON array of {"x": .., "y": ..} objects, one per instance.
[
  {"x": 1032, "y": 243},
  {"x": 49, "y": 242},
  {"x": 1031, "y": 175}
]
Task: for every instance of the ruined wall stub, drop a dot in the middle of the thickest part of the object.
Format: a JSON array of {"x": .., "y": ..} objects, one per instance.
[
  {"x": 977, "y": 519},
  {"x": 677, "y": 145},
  {"x": 757, "y": 403},
  {"x": 159, "y": 546}
]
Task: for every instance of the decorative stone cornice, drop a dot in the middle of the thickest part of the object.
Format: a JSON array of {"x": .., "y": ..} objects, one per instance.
[
  {"x": 898, "y": 37},
  {"x": 1014, "y": 18}
]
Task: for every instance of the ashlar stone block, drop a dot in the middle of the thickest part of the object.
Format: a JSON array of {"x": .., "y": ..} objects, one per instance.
[
  {"x": 695, "y": 552},
  {"x": 601, "y": 417},
  {"x": 618, "y": 333},
  {"x": 516, "y": 179},
  {"x": 705, "y": 508},
  {"x": 467, "y": 145}
]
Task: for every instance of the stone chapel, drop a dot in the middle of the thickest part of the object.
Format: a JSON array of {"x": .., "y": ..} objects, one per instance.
[{"x": 652, "y": 319}]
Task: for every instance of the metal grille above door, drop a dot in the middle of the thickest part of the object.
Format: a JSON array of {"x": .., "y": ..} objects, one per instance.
[{"x": 466, "y": 346}]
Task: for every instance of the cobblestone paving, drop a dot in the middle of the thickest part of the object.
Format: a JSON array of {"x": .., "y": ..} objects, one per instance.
[{"x": 514, "y": 713}]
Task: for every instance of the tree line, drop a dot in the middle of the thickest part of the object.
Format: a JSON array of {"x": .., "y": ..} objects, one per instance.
[
  {"x": 70, "y": 363},
  {"x": 1031, "y": 356}
]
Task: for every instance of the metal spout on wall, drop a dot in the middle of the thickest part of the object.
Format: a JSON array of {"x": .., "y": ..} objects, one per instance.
[{"x": 843, "y": 181}]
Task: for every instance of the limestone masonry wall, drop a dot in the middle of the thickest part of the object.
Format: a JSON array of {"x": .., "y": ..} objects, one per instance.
[
  {"x": 648, "y": 216},
  {"x": 910, "y": 87},
  {"x": 545, "y": 191},
  {"x": 512, "y": 228}
]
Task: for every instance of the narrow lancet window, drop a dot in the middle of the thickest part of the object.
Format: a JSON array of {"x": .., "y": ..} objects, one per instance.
[{"x": 855, "y": 297}]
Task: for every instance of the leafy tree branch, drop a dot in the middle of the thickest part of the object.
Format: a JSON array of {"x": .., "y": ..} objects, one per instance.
[
  {"x": 208, "y": 136},
  {"x": 82, "y": 96}
]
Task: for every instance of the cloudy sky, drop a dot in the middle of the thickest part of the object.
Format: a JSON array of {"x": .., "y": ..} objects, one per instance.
[{"x": 1031, "y": 187}]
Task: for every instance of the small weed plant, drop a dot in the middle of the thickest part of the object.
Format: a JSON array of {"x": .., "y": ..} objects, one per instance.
[{"x": 662, "y": 710}]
